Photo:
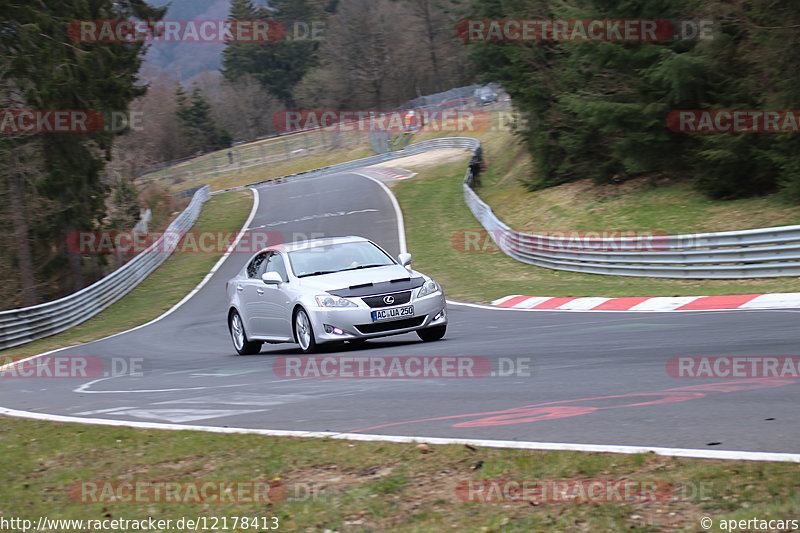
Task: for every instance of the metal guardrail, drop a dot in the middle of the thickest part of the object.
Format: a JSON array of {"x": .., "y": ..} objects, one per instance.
[
  {"x": 19, "y": 326},
  {"x": 755, "y": 253}
]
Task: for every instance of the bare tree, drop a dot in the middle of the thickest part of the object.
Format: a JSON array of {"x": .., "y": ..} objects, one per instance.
[
  {"x": 16, "y": 182},
  {"x": 154, "y": 136},
  {"x": 17, "y": 174},
  {"x": 365, "y": 44},
  {"x": 433, "y": 25},
  {"x": 243, "y": 107},
  {"x": 380, "y": 53},
  {"x": 326, "y": 87}
]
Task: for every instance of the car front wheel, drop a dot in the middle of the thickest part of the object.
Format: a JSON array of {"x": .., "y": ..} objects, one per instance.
[
  {"x": 239, "y": 336},
  {"x": 431, "y": 334},
  {"x": 304, "y": 332}
]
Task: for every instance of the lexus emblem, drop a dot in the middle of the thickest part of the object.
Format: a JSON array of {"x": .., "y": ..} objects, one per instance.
[{"x": 388, "y": 300}]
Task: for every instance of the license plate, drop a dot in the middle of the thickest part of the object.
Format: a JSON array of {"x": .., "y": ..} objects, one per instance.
[{"x": 389, "y": 314}]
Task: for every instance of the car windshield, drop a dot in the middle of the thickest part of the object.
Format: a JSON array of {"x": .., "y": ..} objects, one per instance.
[{"x": 337, "y": 258}]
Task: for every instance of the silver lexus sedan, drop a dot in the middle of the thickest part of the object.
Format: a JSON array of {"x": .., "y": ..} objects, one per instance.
[{"x": 331, "y": 290}]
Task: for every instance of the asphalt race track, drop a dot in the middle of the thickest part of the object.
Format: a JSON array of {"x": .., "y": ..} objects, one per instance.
[{"x": 595, "y": 377}]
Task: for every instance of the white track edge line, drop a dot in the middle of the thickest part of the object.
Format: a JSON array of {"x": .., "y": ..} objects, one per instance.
[
  {"x": 486, "y": 443},
  {"x": 172, "y": 309},
  {"x": 401, "y": 226}
]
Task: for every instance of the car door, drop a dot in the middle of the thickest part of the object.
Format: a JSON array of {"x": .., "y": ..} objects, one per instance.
[
  {"x": 267, "y": 303},
  {"x": 276, "y": 300},
  {"x": 251, "y": 290}
]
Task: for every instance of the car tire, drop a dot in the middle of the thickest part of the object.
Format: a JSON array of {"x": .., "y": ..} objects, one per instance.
[
  {"x": 304, "y": 332},
  {"x": 239, "y": 336},
  {"x": 431, "y": 334}
]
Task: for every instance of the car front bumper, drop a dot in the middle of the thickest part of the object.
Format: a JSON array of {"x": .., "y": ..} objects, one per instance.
[{"x": 332, "y": 324}]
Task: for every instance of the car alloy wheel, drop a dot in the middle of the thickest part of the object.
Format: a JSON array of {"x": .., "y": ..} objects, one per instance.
[
  {"x": 304, "y": 332},
  {"x": 239, "y": 336},
  {"x": 237, "y": 331}
]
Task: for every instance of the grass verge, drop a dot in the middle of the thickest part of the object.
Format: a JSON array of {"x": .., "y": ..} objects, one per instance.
[
  {"x": 654, "y": 206},
  {"x": 341, "y": 486},
  {"x": 165, "y": 287}
]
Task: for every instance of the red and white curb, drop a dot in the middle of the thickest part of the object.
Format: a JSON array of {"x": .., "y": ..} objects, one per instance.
[{"x": 657, "y": 303}]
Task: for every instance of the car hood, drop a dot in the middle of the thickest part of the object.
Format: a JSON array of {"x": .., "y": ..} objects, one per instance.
[{"x": 341, "y": 280}]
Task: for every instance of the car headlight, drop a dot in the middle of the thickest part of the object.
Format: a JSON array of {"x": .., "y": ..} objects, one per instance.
[
  {"x": 429, "y": 287},
  {"x": 326, "y": 300}
]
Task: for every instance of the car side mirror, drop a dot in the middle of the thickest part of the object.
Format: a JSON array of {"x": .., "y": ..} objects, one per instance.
[
  {"x": 405, "y": 260},
  {"x": 271, "y": 278}
]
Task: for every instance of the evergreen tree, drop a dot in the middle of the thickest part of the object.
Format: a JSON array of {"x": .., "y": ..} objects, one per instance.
[
  {"x": 599, "y": 109},
  {"x": 201, "y": 132},
  {"x": 278, "y": 66},
  {"x": 44, "y": 69},
  {"x": 754, "y": 66}
]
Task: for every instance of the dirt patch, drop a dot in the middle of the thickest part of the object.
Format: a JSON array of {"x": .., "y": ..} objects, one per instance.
[
  {"x": 427, "y": 159},
  {"x": 434, "y": 491}
]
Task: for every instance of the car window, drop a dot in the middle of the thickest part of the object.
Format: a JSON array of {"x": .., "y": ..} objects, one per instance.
[
  {"x": 255, "y": 266},
  {"x": 275, "y": 264},
  {"x": 337, "y": 257}
]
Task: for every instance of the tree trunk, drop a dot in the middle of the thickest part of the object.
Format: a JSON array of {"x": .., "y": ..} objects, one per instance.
[
  {"x": 74, "y": 261},
  {"x": 431, "y": 34},
  {"x": 24, "y": 259}
]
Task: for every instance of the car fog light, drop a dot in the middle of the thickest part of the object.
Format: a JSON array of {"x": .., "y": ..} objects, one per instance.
[
  {"x": 334, "y": 330},
  {"x": 441, "y": 314}
]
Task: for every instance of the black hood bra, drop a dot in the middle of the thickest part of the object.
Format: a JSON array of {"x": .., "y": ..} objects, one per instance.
[{"x": 367, "y": 289}]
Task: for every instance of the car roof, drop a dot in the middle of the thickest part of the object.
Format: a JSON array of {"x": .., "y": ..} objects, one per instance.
[{"x": 313, "y": 243}]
